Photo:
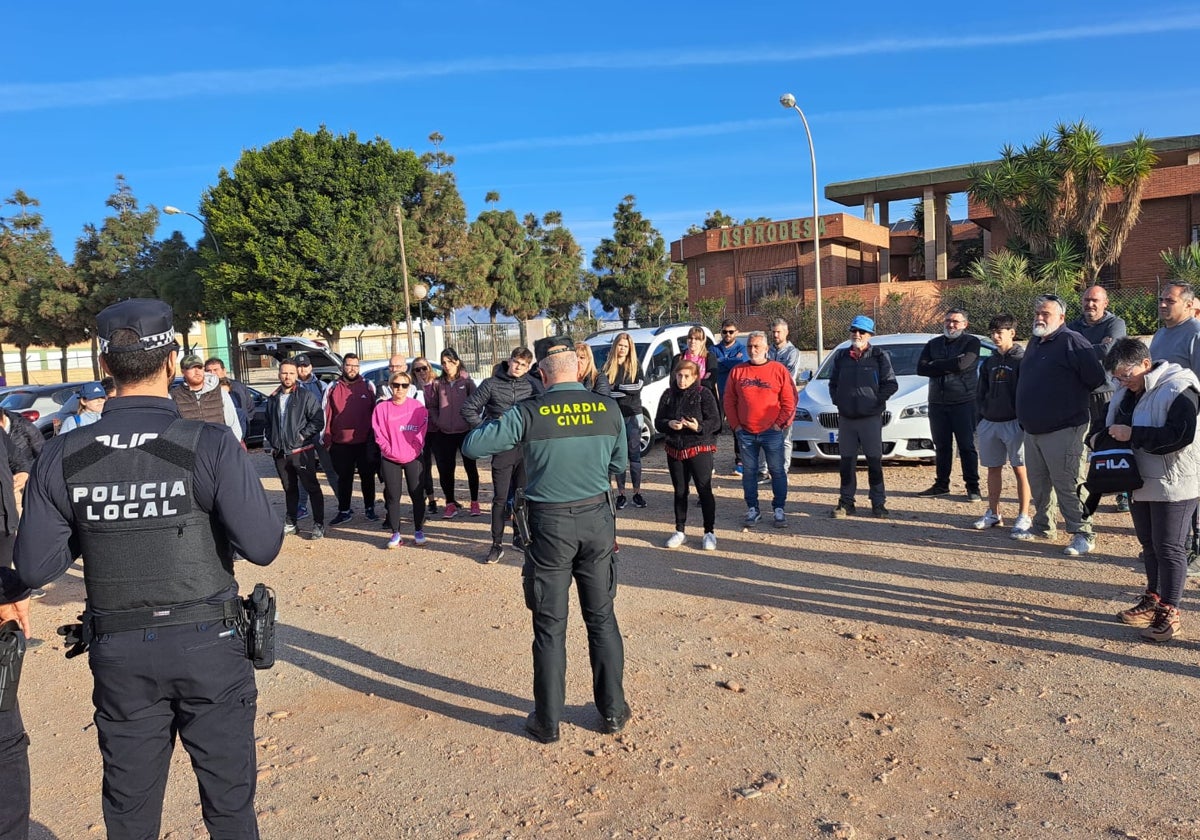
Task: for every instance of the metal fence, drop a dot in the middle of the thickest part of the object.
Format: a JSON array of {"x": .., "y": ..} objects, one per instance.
[{"x": 482, "y": 346}]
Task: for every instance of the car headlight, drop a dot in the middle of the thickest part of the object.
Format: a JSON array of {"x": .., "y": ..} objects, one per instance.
[
  {"x": 921, "y": 410},
  {"x": 803, "y": 415}
]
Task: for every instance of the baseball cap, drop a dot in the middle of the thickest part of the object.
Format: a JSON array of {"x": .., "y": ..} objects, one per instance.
[
  {"x": 862, "y": 322},
  {"x": 149, "y": 319},
  {"x": 302, "y": 359},
  {"x": 551, "y": 346},
  {"x": 191, "y": 360},
  {"x": 92, "y": 391}
]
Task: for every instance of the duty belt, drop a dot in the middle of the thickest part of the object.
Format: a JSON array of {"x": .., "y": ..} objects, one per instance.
[
  {"x": 591, "y": 500},
  {"x": 149, "y": 617}
]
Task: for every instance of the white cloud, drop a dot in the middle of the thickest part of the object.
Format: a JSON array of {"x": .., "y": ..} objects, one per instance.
[{"x": 94, "y": 92}]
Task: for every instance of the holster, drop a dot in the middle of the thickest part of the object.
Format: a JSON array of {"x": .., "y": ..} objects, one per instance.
[
  {"x": 259, "y": 628},
  {"x": 521, "y": 515},
  {"x": 12, "y": 654}
]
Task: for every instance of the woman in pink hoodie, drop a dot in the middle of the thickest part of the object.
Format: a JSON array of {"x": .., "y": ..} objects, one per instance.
[{"x": 400, "y": 425}]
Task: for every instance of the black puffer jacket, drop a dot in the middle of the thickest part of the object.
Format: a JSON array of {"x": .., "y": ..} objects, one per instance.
[
  {"x": 861, "y": 387},
  {"x": 25, "y": 437},
  {"x": 697, "y": 402},
  {"x": 498, "y": 393}
]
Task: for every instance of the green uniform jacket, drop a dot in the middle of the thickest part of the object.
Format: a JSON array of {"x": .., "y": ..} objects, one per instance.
[{"x": 572, "y": 439}]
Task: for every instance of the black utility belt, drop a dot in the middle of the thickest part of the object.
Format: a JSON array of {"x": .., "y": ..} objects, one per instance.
[
  {"x": 591, "y": 500},
  {"x": 151, "y": 617},
  {"x": 253, "y": 617}
]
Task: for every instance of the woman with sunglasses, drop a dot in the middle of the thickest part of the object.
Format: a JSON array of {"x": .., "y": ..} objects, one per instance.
[
  {"x": 449, "y": 429},
  {"x": 592, "y": 377},
  {"x": 423, "y": 379},
  {"x": 400, "y": 424},
  {"x": 624, "y": 374}
]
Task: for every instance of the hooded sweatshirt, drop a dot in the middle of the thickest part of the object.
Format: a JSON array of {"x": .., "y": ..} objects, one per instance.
[
  {"x": 449, "y": 397},
  {"x": 348, "y": 407},
  {"x": 1108, "y": 327},
  {"x": 997, "y": 396},
  {"x": 201, "y": 404}
]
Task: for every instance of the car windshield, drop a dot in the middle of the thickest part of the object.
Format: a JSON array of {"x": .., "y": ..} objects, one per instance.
[
  {"x": 600, "y": 353},
  {"x": 904, "y": 359}
]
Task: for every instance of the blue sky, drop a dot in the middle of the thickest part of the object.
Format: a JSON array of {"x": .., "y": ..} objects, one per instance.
[{"x": 569, "y": 107}]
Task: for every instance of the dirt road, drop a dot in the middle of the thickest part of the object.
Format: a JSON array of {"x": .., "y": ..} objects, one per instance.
[{"x": 855, "y": 678}]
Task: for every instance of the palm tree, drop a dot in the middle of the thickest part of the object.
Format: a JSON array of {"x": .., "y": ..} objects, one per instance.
[
  {"x": 1064, "y": 192},
  {"x": 1183, "y": 264}
]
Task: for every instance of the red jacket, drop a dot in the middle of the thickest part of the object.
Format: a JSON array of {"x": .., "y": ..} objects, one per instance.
[
  {"x": 348, "y": 408},
  {"x": 758, "y": 397}
]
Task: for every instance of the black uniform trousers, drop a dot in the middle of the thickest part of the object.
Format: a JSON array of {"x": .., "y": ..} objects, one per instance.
[
  {"x": 347, "y": 457},
  {"x": 508, "y": 473},
  {"x": 573, "y": 541},
  {"x": 14, "y": 776},
  {"x": 296, "y": 470},
  {"x": 189, "y": 680}
]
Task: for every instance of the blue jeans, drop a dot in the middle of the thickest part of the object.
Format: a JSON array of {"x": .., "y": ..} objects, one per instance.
[{"x": 771, "y": 444}]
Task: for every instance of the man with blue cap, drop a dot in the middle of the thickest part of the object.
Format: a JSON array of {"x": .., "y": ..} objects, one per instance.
[{"x": 860, "y": 382}]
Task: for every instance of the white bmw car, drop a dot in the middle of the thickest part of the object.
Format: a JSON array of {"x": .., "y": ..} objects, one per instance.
[{"x": 906, "y": 433}]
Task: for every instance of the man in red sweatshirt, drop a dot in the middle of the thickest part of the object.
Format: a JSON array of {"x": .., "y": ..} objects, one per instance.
[
  {"x": 760, "y": 403},
  {"x": 349, "y": 403}
]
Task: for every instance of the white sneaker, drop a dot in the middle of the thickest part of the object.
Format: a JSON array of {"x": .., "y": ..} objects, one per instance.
[
  {"x": 988, "y": 520},
  {"x": 710, "y": 541},
  {"x": 675, "y": 540},
  {"x": 780, "y": 518},
  {"x": 1080, "y": 544},
  {"x": 1024, "y": 523}
]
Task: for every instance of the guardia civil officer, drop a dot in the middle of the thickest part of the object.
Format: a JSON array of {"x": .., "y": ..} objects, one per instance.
[
  {"x": 157, "y": 505},
  {"x": 573, "y": 440}
]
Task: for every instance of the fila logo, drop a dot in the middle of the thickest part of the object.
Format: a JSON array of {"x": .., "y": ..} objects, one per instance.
[{"x": 1112, "y": 464}]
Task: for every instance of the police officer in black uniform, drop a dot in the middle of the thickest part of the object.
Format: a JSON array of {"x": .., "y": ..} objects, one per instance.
[
  {"x": 156, "y": 505},
  {"x": 573, "y": 440},
  {"x": 14, "y": 743}
]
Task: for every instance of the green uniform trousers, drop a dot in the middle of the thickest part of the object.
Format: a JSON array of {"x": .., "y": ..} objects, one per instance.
[{"x": 573, "y": 541}]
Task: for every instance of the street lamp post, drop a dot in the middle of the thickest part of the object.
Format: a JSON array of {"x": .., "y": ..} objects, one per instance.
[
  {"x": 230, "y": 337},
  {"x": 789, "y": 101},
  {"x": 420, "y": 291}
]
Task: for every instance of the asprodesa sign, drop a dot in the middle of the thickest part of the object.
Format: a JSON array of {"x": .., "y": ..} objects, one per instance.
[{"x": 769, "y": 233}]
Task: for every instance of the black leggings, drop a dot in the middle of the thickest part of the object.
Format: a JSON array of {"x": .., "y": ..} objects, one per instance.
[
  {"x": 446, "y": 447},
  {"x": 699, "y": 470},
  {"x": 395, "y": 476}
]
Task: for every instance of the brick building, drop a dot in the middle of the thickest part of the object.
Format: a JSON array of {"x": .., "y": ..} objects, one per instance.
[{"x": 870, "y": 257}]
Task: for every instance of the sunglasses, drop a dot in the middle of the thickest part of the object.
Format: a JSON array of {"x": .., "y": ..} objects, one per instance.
[
  {"x": 859, "y": 332},
  {"x": 421, "y": 369},
  {"x": 728, "y": 332},
  {"x": 401, "y": 383}
]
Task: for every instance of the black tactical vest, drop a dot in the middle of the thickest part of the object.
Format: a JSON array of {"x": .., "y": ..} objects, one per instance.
[{"x": 144, "y": 540}]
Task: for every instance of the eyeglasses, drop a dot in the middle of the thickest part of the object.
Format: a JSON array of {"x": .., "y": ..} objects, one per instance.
[
  {"x": 859, "y": 332},
  {"x": 728, "y": 332},
  {"x": 401, "y": 383},
  {"x": 421, "y": 369},
  {"x": 1127, "y": 376}
]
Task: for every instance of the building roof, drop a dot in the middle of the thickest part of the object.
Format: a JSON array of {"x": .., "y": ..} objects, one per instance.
[{"x": 1171, "y": 151}]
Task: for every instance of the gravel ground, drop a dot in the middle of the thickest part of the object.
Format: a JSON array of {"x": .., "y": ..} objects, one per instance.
[{"x": 854, "y": 678}]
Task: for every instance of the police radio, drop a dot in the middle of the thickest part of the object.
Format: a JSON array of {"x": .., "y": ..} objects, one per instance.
[{"x": 12, "y": 654}]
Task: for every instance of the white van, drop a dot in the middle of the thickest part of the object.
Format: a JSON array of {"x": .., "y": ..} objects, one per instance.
[{"x": 658, "y": 348}]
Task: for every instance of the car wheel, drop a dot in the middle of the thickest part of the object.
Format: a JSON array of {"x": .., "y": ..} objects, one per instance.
[{"x": 647, "y": 436}]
